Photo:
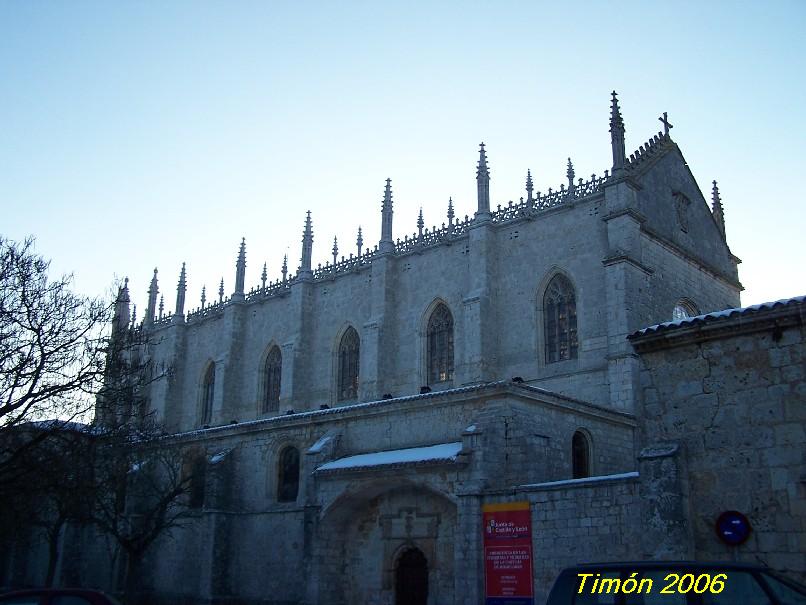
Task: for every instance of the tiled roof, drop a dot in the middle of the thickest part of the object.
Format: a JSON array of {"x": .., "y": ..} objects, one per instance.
[{"x": 719, "y": 316}]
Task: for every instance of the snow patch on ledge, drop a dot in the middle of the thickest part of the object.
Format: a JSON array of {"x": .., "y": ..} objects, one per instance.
[
  {"x": 320, "y": 444},
  {"x": 596, "y": 479},
  {"x": 443, "y": 451}
]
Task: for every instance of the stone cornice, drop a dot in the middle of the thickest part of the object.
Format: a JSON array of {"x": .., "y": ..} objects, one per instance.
[
  {"x": 625, "y": 258},
  {"x": 677, "y": 250},
  {"x": 501, "y": 389}
]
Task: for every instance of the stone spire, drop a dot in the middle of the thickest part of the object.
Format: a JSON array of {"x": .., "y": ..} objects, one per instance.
[
  {"x": 240, "y": 270},
  {"x": 134, "y": 315},
  {"x": 387, "y": 243},
  {"x": 151, "y": 309},
  {"x": 420, "y": 224},
  {"x": 335, "y": 251},
  {"x": 570, "y": 174},
  {"x": 307, "y": 247},
  {"x": 529, "y": 188},
  {"x": 120, "y": 321},
  {"x": 450, "y": 214},
  {"x": 203, "y": 296},
  {"x": 717, "y": 210},
  {"x": 264, "y": 276},
  {"x": 617, "y": 135},
  {"x": 162, "y": 306},
  {"x": 483, "y": 183},
  {"x": 181, "y": 288},
  {"x": 221, "y": 291},
  {"x": 285, "y": 268},
  {"x": 359, "y": 241}
]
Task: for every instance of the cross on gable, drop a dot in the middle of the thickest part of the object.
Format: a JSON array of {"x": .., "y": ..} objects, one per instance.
[{"x": 666, "y": 124}]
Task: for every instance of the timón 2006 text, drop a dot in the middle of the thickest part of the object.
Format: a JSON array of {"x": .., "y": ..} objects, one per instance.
[{"x": 677, "y": 584}]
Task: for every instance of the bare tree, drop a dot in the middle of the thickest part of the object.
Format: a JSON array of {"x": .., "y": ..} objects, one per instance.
[
  {"x": 144, "y": 486},
  {"x": 61, "y": 355},
  {"x": 52, "y": 350},
  {"x": 57, "y": 488}
]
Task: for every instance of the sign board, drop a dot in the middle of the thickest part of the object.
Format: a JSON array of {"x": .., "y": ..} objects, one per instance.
[
  {"x": 733, "y": 528},
  {"x": 508, "y": 554}
]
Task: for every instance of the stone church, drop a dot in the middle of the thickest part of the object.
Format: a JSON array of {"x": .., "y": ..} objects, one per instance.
[{"x": 353, "y": 418}]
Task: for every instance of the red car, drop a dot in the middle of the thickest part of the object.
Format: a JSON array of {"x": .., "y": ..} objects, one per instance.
[{"x": 57, "y": 596}]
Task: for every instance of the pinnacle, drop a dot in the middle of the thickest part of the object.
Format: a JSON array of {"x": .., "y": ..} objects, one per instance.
[{"x": 483, "y": 170}]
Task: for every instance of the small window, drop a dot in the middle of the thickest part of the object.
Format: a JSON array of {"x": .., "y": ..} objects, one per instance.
[
  {"x": 683, "y": 310},
  {"x": 194, "y": 478},
  {"x": 348, "y": 365},
  {"x": 581, "y": 455},
  {"x": 440, "y": 345},
  {"x": 288, "y": 479},
  {"x": 208, "y": 391},
  {"x": 271, "y": 388},
  {"x": 560, "y": 320}
]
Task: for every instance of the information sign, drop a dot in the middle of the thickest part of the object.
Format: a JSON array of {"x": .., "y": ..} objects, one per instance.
[{"x": 508, "y": 554}]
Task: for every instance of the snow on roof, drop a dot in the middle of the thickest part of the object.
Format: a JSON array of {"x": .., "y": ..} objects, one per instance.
[
  {"x": 58, "y": 424},
  {"x": 219, "y": 456},
  {"x": 356, "y": 406},
  {"x": 431, "y": 453},
  {"x": 320, "y": 443},
  {"x": 596, "y": 479},
  {"x": 718, "y": 315}
]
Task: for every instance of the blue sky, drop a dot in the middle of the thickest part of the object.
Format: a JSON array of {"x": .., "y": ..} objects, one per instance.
[{"x": 146, "y": 134}]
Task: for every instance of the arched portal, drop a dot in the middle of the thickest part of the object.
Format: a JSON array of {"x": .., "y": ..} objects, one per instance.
[
  {"x": 365, "y": 534},
  {"x": 411, "y": 578}
]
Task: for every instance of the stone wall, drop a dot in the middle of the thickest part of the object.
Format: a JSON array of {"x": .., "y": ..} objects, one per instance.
[
  {"x": 578, "y": 521},
  {"x": 732, "y": 393}
]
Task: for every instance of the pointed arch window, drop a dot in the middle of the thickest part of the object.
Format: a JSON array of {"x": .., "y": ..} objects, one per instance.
[
  {"x": 272, "y": 372},
  {"x": 348, "y": 365},
  {"x": 580, "y": 455},
  {"x": 288, "y": 475},
  {"x": 560, "y": 320},
  {"x": 208, "y": 391},
  {"x": 440, "y": 345}
]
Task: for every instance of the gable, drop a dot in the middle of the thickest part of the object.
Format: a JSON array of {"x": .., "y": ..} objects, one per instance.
[{"x": 677, "y": 212}]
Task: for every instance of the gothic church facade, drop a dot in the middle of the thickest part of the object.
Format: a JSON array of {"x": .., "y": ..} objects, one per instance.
[{"x": 353, "y": 418}]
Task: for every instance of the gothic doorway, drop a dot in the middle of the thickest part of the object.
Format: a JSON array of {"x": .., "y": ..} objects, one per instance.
[{"x": 411, "y": 578}]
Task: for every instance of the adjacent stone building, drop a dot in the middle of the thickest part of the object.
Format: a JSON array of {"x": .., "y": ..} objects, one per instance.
[
  {"x": 354, "y": 418},
  {"x": 728, "y": 389}
]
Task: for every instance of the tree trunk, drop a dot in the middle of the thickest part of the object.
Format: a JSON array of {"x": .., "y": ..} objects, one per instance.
[
  {"x": 54, "y": 541},
  {"x": 131, "y": 582}
]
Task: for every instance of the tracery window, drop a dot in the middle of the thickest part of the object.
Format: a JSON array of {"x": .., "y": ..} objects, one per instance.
[
  {"x": 580, "y": 455},
  {"x": 272, "y": 372},
  {"x": 560, "y": 320},
  {"x": 684, "y": 309},
  {"x": 288, "y": 475},
  {"x": 208, "y": 390},
  {"x": 440, "y": 345},
  {"x": 348, "y": 365}
]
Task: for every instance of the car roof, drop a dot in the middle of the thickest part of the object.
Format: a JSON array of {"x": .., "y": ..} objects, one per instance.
[
  {"x": 654, "y": 564},
  {"x": 51, "y": 591}
]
